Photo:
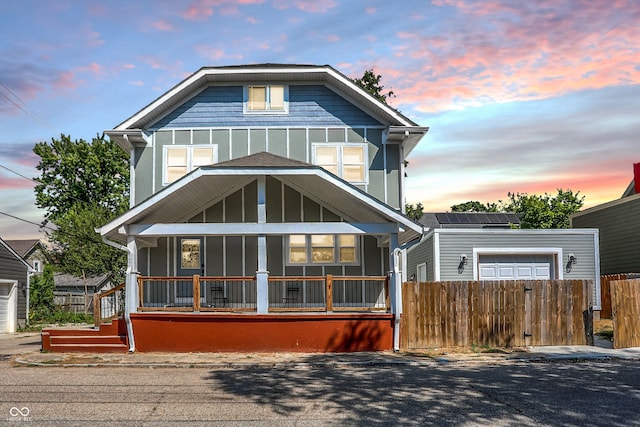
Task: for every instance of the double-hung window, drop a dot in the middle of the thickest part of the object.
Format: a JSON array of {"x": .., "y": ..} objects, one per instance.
[
  {"x": 348, "y": 161},
  {"x": 322, "y": 249},
  {"x": 182, "y": 159},
  {"x": 266, "y": 99}
]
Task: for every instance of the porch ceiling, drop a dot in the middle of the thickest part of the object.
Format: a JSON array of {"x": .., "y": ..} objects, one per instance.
[{"x": 206, "y": 186}]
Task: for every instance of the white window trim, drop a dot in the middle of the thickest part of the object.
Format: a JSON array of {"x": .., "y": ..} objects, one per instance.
[
  {"x": 556, "y": 254},
  {"x": 245, "y": 100},
  {"x": 190, "y": 149},
  {"x": 418, "y": 272},
  {"x": 340, "y": 146},
  {"x": 336, "y": 253}
]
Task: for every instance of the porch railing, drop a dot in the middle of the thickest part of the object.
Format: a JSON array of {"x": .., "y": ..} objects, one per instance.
[
  {"x": 108, "y": 305},
  {"x": 197, "y": 293},
  {"x": 286, "y": 293}
]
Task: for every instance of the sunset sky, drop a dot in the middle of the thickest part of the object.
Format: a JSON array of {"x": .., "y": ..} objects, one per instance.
[{"x": 520, "y": 96}]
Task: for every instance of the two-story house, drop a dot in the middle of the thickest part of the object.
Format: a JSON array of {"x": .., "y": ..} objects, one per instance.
[{"x": 266, "y": 213}]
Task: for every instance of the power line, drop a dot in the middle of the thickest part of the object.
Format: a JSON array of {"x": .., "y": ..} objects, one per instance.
[{"x": 19, "y": 174}]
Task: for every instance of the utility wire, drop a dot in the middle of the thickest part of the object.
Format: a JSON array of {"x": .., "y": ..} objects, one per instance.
[{"x": 19, "y": 174}]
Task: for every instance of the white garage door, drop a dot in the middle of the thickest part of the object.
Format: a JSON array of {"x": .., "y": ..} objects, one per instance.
[
  {"x": 515, "y": 267},
  {"x": 7, "y": 307}
]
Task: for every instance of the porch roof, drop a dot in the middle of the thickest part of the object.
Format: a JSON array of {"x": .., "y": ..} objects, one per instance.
[{"x": 183, "y": 199}]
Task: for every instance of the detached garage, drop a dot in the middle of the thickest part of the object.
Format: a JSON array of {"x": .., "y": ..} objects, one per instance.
[
  {"x": 14, "y": 289},
  {"x": 491, "y": 253}
]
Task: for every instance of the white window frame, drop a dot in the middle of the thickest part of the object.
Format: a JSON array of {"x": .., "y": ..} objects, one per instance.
[
  {"x": 421, "y": 267},
  {"x": 336, "y": 252},
  {"x": 340, "y": 147},
  {"x": 190, "y": 167},
  {"x": 268, "y": 110}
]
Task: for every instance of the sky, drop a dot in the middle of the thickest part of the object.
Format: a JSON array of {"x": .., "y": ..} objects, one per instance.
[{"x": 520, "y": 96}]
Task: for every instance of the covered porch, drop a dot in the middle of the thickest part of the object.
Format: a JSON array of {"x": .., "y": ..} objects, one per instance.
[{"x": 269, "y": 257}]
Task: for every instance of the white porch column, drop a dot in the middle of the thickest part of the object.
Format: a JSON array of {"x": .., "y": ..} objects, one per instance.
[
  {"x": 395, "y": 281},
  {"x": 262, "y": 275},
  {"x": 131, "y": 294}
]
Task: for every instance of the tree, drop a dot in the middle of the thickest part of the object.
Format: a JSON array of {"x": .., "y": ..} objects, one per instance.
[
  {"x": 475, "y": 206},
  {"x": 41, "y": 295},
  {"x": 414, "y": 212},
  {"x": 82, "y": 186},
  {"x": 370, "y": 82},
  {"x": 545, "y": 211},
  {"x": 535, "y": 211}
]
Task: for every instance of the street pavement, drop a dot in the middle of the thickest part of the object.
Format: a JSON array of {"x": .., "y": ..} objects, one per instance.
[{"x": 571, "y": 385}]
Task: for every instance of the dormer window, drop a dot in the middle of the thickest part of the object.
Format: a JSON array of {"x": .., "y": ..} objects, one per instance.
[{"x": 266, "y": 99}]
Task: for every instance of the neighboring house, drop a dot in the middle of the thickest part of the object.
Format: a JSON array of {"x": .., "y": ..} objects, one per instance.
[
  {"x": 75, "y": 293},
  {"x": 32, "y": 251},
  {"x": 264, "y": 188},
  {"x": 482, "y": 246},
  {"x": 619, "y": 225},
  {"x": 14, "y": 289}
]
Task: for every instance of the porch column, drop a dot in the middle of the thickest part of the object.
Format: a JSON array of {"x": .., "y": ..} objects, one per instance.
[
  {"x": 262, "y": 275},
  {"x": 131, "y": 295}
]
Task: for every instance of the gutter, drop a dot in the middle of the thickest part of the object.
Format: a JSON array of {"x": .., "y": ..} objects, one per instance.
[
  {"x": 398, "y": 300},
  {"x": 127, "y": 314}
]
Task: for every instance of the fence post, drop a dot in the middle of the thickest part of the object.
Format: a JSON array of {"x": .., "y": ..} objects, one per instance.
[
  {"x": 96, "y": 310},
  {"x": 196, "y": 292},
  {"x": 140, "y": 291},
  {"x": 328, "y": 283}
]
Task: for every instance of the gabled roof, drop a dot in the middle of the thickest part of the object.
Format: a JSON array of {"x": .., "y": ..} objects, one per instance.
[
  {"x": 219, "y": 180},
  {"x": 62, "y": 280},
  {"x": 132, "y": 130},
  {"x": 24, "y": 248},
  {"x": 16, "y": 255}
]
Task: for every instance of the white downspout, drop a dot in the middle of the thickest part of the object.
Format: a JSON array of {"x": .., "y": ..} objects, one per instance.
[
  {"x": 396, "y": 290},
  {"x": 128, "y": 289}
]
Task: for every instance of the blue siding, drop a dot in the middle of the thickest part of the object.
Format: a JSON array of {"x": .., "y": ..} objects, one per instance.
[{"x": 309, "y": 105}]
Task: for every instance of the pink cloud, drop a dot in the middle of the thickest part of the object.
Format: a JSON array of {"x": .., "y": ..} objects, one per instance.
[
  {"x": 199, "y": 10},
  {"x": 527, "y": 53},
  {"x": 66, "y": 81},
  {"x": 310, "y": 6},
  {"x": 94, "y": 39},
  {"x": 163, "y": 25},
  {"x": 136, "y": 83},
  {"x": 332, "y": 38},
  {"x": 370, "y": 10},
  {"x": 10, "y": 183},
  {"x": 209, "y": 52}
]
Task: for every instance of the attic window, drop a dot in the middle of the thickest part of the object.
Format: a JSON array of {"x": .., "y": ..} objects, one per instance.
[{"x": 266, "y": 99}]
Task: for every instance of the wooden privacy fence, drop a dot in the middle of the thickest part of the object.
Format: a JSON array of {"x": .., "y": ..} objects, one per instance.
[
  {"x": 496, "y": 313},
  {"x": 605, "y": 291},
  {"x": 73, "y": 302},
  {"x": 625, "y": 303}
]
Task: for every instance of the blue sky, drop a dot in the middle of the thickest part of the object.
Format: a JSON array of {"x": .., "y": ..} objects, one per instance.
[{"x": 520, "y": 96}]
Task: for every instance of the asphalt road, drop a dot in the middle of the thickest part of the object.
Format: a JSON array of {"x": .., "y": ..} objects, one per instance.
[{"x": 510, "y": 393}]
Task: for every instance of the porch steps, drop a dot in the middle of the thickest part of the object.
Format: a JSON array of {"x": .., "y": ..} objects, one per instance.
[{"x": 109, "y": 338}]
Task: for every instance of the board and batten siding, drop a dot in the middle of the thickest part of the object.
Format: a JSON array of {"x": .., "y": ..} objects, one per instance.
[
  {"x": 619, "y": 225},
  {"x": 14, "y": 269},
  {"x": 237, "y": 255},
  {"x": 295, "y": 143}
]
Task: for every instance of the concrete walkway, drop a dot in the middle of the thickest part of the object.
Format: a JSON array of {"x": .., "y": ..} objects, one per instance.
[{"x": 24, "y": 349}]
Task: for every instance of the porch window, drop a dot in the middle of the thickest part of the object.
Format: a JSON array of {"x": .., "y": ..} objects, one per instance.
[
  {"x": 266, "y": 98},
  {"x": 322, "y": 249},
  {"x": 348, "y": 161},
  {"x": 180, "y": 160}
]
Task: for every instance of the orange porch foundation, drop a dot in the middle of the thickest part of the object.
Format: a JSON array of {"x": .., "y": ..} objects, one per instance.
[{"x": 202, "y": 332}]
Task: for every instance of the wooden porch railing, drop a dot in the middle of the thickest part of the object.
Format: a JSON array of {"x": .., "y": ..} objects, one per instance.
[
  {"x": 286, "y": 293},
  {"x": 108, "y": 305}
]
